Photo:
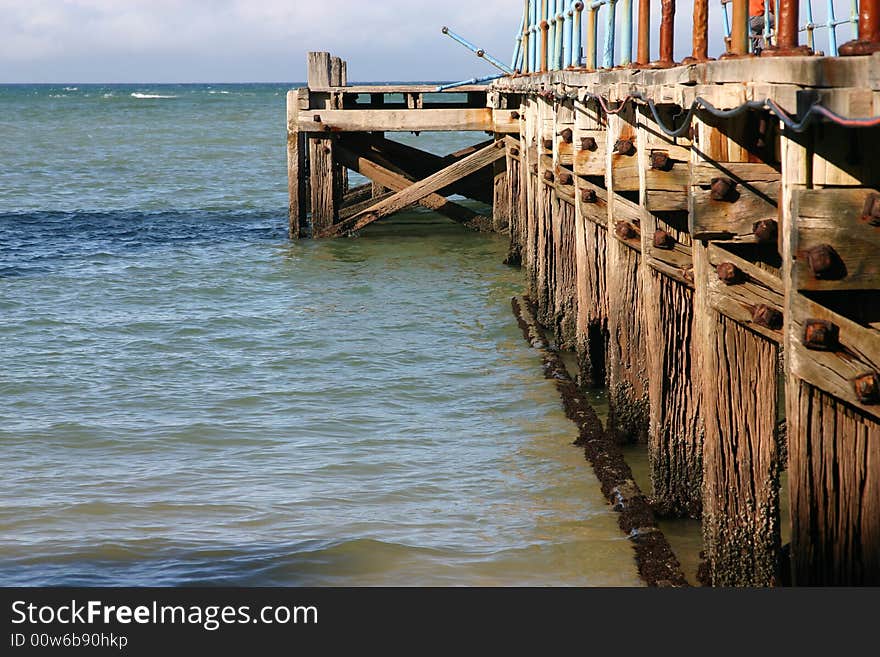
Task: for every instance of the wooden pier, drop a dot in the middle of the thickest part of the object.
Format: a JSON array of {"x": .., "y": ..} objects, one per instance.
[{"x": 723, "y": 284}]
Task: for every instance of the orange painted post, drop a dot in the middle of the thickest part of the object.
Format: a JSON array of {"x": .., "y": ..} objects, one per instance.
[
  {"x": 643, "y": 48},
  {"x": 869, "y": 30}
]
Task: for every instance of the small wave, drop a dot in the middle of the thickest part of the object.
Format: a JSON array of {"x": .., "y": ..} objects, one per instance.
[
  {"x": 57, "y": 95},
  {"x": 108, "y": 95},
  {"x": 71, "y": 88},
  {"x": 149, "y": 96},
  {"x": 219, "y": 92}
]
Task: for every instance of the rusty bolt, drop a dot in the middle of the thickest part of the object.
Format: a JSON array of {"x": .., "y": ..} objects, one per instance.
[
  {"x": 567, "y": 135},
  {"x": 588, "y": 143},
  {"x": 722, "y": 189},
  {"x": 316, "y": 118},
  {"x": 548, "y": 176},
  {"x": 565, "y": 178},
  {"x": 868, "y": 388},
  {"x": 588, "y": 196},
  {"x": 548, "y": 144},
  {"x": 729, "y": 273},
  {"x": 660, "y": 160},
  {"x": 766, "y": 231},
  {"x": 534, "y": 168},
  {"x": 871, "y": 213},
  {"x": 514, "y": 115},
  {"x": 624, "y": 146},
  {"x": 767, "y": 317},
  {"x": 824, "y": 261},
  {"x": 514, "y": 151},
  {"x": 625, "y": 230},
  {"x": 663, "y": 240},
  {"x": 821, "y": 335}
]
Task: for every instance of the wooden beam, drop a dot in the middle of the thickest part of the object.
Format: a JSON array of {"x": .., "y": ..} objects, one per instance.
[
  {"x": 416, "y": 120},
  {"x": 417, "y": 164},
  {"x": 417, "y": 191},
  {"x": 387, "y": 177},
  {"x": 296, "y": 170}
]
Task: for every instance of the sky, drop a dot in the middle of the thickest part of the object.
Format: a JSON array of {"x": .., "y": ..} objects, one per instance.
[{"x": 265, "y": 40}]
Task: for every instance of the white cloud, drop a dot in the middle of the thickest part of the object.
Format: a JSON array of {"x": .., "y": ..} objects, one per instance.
[{"x": 179, "y": 40}]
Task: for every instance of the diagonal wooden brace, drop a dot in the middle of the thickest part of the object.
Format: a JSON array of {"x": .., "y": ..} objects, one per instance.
[{"x": 423, "y": 191}]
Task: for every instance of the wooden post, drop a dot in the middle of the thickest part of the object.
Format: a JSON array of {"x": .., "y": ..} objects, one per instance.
[
  {"x": 590, "y": 242},
  {"x": 319, "y": 74},
  {"x": 626, "y": 364},
  {"x": 829, "y": 178},
  {"x": 742, "y": 453},
  {"x": 675, "y": 428},
  {"x": 297, "y": 168},
  {"x": 325, "y": 184}
]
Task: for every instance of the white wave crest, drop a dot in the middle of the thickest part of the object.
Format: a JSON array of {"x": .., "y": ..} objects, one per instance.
[{"x": 149, "y": 96}]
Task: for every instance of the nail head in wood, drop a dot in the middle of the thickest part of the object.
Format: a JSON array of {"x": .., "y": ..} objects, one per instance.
[
  {"x": 821, "y": 335},
  {"x": 766, "y": 231},
  {"x": 767, "y": 317},
  {"x": 625, "y": 230},
  {"x": 867, "y": 388},
  {"x": 729, "y": 273},
  {"x": 824, "y": 262},
  {"x": 871, "y": 212},
  {"x": 663, "y": 240},
  {"x": 721, "y": 189}
]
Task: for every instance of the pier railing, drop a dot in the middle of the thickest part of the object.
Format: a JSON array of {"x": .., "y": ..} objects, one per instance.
[{"x": 565, "y": 34}]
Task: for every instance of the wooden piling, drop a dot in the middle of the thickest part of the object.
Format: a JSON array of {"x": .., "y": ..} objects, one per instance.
[{"x": 627, "y": 368}]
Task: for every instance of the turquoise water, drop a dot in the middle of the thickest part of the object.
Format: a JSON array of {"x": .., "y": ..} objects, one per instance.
[{"x": 188, "y": 398}]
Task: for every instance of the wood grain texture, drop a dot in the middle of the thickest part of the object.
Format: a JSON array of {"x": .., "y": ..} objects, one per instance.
[
  {"x": 397, "y": 120},
  {"x": 835, "y": 490}
]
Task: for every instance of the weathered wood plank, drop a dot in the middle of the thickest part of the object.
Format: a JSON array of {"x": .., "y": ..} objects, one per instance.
[
  {"x": 297, "y": 171},
  {"x": 419, "y": 190},
  {"x": 389, "y": 120},
  {"x": 833, "y": 217},
  {"x": 750, "y": 203},
  {"x": 326, "y": 193},
  {"x": 318, "y": 67},
  {"x": 397, "y": 180}
]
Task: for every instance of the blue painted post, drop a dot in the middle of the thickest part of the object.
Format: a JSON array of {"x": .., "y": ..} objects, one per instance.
[
  {"x": 608, "y": 55},
  {"x": 576, "y": 35},
  {"x": 533, "y": 34},
  {"x": 626, "y": 36},
  {"x": 854, "y": 18},
  {"x": 551, "y": 35},
  {"x": 727, "y": 20},
  {"x": 766, "y": 24},
  {"x": 832, "y": 30},
  {"x": 810, "y": 26},
  {"x": 560, "y": 36},
  {"x": 592, "y": 36}
]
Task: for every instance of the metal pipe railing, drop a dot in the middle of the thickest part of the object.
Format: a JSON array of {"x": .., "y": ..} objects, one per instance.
[
  {"x": 555, "y": 35},
  {"x": 479, "y": 52}
]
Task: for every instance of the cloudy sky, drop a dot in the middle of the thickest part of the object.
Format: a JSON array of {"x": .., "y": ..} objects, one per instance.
[{"x": 260, "y": 40}]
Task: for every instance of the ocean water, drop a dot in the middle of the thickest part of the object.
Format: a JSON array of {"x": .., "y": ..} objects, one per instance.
[{"x": 188, "y": 398}]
